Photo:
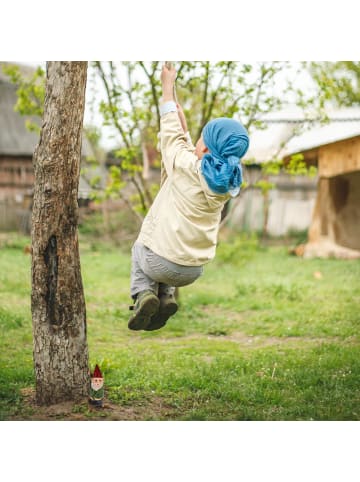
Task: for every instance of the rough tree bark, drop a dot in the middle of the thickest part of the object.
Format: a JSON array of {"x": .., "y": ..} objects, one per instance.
[{"x": 57, "y": 298}]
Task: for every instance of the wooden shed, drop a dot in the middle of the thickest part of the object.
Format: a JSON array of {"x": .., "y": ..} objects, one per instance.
[
  {"x": 335, "y": 225},
  {"x": 17, "y": 145},
  {"x": 16, "y": 171}
]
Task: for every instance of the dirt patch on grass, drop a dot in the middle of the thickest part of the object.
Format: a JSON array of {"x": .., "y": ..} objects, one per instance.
[
  {"x": 261, "y": 341},
  {"x": 255, "y": 341},
  {"x": 155, "y": 409}
]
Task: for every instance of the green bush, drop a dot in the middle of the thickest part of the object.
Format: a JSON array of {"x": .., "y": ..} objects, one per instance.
[{"x": 238, "y": 250}]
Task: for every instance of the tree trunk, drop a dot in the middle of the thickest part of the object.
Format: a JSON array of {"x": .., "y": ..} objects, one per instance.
[{"x": 57, "y": 298}]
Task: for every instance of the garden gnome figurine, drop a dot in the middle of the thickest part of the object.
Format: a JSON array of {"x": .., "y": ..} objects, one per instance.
[{"x": 97, "y": 388}]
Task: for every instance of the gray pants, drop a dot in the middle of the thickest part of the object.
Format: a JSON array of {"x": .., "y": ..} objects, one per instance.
[{"x": 150, "y": 271}]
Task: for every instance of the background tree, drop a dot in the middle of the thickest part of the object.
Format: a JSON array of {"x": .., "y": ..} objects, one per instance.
[
  {"x": 130, "y": 104},
  {"x": 338, "y": 82},
  {"x": 57, "y": 298}
]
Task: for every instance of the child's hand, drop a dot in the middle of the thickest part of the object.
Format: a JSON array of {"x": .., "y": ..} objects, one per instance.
[
  {"x": 168, "y": 76},
  {"x": 182, "y": 117}
]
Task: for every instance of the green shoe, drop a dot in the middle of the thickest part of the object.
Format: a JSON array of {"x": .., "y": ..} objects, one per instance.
[
  {"x": 146, "y": 305},
  {"x": 168, "y": 307}
]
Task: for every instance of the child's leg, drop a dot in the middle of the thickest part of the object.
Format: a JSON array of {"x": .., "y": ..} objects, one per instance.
[
  {"x": 167, "y": 308},
  {"x": 166, "y": 289},
  {"x": 139, "y": 281},
  {"x": 143, "y": 290},
  {"x": 168, "y": 275},
  {"x": 149, "y": 272}
]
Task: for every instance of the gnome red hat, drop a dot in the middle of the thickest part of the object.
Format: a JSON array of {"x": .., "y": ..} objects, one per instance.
[{"x": 97, "y": 373}]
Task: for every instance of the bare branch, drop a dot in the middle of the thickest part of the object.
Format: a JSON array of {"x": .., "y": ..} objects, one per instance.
[
  {"x": 205, "y": 94},
  {"x": 111, "y": 104},
  {"x": 151, "y": 77},
  {"x": 255, "y": 105},
  {"x": 209, "y": 108},
  {"x": 131, "y": 207},
  {"x": 138, "y": 188}
]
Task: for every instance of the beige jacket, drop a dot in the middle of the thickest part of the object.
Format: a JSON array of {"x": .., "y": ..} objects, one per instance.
[{"x": 183, "y": 222}]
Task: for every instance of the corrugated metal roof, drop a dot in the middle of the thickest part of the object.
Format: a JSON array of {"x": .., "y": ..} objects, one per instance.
[
  {"x": 26, "y": 70},
  {"x": 265, "y": 144},
  {"x": 322, "y": 135},
  {"x": 15, "y": 139}
]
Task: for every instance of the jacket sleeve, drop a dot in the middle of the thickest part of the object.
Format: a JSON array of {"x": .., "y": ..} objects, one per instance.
[{"x": 176, "y": 150}]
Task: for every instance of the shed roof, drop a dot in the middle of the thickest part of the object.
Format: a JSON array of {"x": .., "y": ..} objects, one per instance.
[
  {"x": 265, "y": 144},
  {"x": 15, "y": 138},
  {"x": 336, "y": 130}
]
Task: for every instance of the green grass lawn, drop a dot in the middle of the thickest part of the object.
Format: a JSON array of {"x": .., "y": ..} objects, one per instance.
[{"x": 262, "y": 335}]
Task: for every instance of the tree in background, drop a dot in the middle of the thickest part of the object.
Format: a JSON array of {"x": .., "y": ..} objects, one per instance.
[
  {"x": 57, "y": 298},
  {"x": 337, "y": 81},
  {"x": 128, "y": 107},
  {"x": 205, "y": 89}
]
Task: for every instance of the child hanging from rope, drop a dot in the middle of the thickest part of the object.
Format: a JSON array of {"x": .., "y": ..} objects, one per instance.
[{"x": 179, "y": 233}]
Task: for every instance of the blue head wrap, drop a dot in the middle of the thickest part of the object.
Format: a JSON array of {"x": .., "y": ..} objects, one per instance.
[{"x": 227, "y": 141}]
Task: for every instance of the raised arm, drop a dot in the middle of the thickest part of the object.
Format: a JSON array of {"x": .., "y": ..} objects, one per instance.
[
  {"x": 174, "y": 135},
  {"x": 168, "y": 76}
]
